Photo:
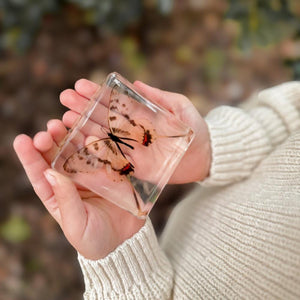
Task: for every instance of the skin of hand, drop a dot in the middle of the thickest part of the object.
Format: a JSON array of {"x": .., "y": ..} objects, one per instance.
[{"x": 93, "y": 225}]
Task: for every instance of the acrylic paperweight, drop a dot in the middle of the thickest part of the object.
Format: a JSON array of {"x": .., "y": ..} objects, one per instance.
[{"x": 124, "y": 147}]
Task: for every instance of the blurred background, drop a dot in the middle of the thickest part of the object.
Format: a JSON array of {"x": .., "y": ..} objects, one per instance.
[{"x": 213, "y": 51}]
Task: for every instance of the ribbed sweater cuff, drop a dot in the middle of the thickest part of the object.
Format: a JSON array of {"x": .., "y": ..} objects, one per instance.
[
  {"x": 137, "y": 269},
  {"x": 238, "y": 143}
]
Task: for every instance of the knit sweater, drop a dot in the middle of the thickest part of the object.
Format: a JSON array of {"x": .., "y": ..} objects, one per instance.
[{"x": 237, "y": 235}]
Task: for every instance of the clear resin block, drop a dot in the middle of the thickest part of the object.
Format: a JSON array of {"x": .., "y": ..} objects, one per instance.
[{"x": 124, "y": 147}]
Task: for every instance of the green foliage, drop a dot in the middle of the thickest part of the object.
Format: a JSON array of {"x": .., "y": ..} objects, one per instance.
[
  {"x": 214, "y": 60},
  {"x": 263, "y": 22},
  {"x": 266, "y": 23},
  {"x": 133, "y": 58},
  {"x": 15, "y": 230},
  {"x": 112, "y": 14},
  {"x": 22, "y": 18}
]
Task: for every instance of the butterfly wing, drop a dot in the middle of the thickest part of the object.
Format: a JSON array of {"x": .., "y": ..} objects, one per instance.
[
  {"x": 121, "y": 122},
  {"x": 97, "y": 155}
]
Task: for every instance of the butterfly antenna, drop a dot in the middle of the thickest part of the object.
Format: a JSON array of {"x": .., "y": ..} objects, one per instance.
[
  {"x": 190, "y": 133},
  {"x": 104, "y": 131},
  {"x": 120, "y": 150},
  {"x": 171, "y": 136}
]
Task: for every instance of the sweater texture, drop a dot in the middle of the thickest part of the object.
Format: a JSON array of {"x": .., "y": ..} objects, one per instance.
[{"x": 237, "y": 235}]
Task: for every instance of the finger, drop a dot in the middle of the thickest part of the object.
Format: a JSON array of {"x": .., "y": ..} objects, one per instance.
[
  {"x": 73, "y": 100},
  {"x": 71, "y": 207},
  {"x": 86, "y": 88},
  {"x": 70, "y": 118},
  {"x": 78, "y": 104},
  {"x": 43, "y": 141},
  {"x": 90, "y": 127},
  {"x": 34, "y": 165},
  {"x": 173, "y": 102},
  {"x": 57, "y": 130}
]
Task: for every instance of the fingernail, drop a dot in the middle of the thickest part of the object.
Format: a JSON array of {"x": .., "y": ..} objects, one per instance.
[{"x": 50, "y": 177}]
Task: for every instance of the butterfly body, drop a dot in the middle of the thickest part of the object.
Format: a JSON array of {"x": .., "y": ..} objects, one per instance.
[
  {"x": 128, "y": 168},
  {"x": 98, "y": 153},
  {"x": 120, "y": 140},
  {"x": 124, "y": 128}
]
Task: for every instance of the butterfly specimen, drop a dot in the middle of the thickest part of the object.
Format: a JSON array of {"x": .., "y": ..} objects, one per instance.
[
  {"x": 107, "y": 151},
  {"x": 121, "y": 154}
]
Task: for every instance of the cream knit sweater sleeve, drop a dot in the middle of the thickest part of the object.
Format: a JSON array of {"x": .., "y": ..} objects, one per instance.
[
  {"x": 240, "y": 139},
  {"x": 139, "y": 268}
]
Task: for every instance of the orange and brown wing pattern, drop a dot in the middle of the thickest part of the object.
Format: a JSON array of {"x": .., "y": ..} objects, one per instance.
[
  {"x": 99, "y": 154},
  {"x": 123, "y": 125}
]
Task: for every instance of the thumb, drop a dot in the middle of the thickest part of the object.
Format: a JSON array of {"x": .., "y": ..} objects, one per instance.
[{"x": 72, "y": 210}]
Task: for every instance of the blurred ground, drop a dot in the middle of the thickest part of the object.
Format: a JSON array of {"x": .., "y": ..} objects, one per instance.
[{"x": 192, "y": 50}]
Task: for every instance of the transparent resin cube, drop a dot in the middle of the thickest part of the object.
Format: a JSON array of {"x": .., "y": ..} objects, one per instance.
[{"x": 124, "y": 147}]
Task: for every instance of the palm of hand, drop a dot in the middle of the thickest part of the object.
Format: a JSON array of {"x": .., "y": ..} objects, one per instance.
[
  {"x": 195, "y": 164},
  {"x": 106, "y": 220}
]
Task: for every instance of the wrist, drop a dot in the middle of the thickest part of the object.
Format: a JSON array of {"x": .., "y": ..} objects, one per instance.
[
  {"x": 107, "y": 231},
  {"x": 133, "y": 225}
]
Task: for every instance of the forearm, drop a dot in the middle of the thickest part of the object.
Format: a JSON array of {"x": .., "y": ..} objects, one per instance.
[{"x": 240, "y": 139}]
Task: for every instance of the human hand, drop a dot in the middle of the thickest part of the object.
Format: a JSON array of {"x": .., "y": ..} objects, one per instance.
[
  {"x": 93, "y": 225},
  {"x": 195, "y": 164}
]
